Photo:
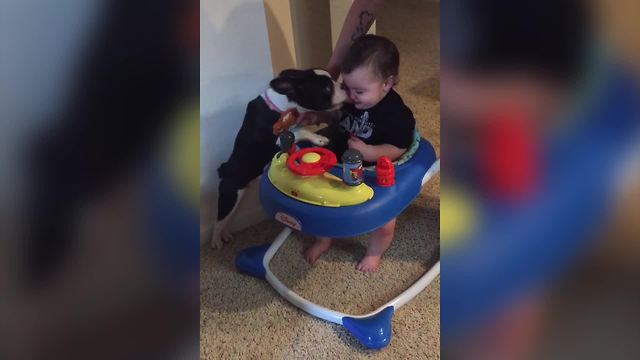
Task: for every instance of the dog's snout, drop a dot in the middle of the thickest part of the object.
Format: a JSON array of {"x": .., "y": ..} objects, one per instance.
[{"x": 340, "y": 94}]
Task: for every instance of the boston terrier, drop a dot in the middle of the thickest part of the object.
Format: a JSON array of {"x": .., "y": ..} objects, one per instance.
[{"x": 255, "y": 143}]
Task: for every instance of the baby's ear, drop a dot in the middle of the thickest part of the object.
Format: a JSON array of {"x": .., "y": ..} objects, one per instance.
[
  {"x": 283, "y": 85},
  {"x": 390, "y": 82}
]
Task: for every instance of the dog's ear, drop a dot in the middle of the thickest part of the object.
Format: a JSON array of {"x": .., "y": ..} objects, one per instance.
[
  {"x": 293, "y": 73},
  {"x": 286, "y": 81},
  {"x": 283, "y": 85}
]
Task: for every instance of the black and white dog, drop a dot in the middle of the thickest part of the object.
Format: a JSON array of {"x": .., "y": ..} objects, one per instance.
[{"x": 255, "y": 143}]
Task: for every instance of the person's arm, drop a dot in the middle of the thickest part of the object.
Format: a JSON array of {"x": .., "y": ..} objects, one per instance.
[
  {"x": 359, "y": 19},
  {"x": 371, "y": 153}
]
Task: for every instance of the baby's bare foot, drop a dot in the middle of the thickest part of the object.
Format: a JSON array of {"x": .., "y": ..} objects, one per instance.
[
  {"x": 318, "y": 248},
  {"x": 369, "y": 263}
]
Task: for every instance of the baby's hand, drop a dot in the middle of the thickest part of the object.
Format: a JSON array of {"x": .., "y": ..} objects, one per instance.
[{"x": 354, "y": 142}]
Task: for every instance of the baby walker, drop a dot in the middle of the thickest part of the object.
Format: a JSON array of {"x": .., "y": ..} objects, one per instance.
[{"x": 305, "y": 191}]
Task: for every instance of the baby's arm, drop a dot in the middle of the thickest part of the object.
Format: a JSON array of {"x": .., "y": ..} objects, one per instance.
[{"x": 371, "y": 153}]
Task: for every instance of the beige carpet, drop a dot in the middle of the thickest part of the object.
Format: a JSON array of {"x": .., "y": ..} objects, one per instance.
[{"x": 244, "y": 318}]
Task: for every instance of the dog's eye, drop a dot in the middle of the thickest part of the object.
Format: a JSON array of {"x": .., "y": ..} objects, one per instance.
[{"x": 328, "y": 89}]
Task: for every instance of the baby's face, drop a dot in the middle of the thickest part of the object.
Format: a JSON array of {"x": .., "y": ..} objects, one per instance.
[{"x": 364, "y": 88}]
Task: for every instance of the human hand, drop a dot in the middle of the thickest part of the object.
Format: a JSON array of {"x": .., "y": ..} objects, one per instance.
[{"x": 354, "y": 142}]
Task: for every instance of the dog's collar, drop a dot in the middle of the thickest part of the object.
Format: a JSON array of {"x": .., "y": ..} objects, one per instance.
[
  {"x": 280, "y": 103},
  {"x": 276, "y": 102}
]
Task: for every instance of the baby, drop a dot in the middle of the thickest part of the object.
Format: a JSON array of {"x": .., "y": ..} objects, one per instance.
[{"x": 377, "y": 123}]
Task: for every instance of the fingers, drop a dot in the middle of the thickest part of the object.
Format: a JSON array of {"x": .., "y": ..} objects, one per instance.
[
  {"x": 354, "y": 146},
  {"x": 354, "y": 142}
]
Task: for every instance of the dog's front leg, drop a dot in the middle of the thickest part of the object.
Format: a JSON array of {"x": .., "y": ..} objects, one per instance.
[
  {"x": 229, "y": 198},
  {"x": 306, "y": 133},
  {"x": 220, "y": 233}
]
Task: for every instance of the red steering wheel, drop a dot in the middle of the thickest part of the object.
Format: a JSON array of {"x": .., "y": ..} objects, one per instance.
[{"x": 326, "y": 162}]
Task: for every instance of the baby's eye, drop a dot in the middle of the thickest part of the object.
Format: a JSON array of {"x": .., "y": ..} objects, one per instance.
[{"x": 359, "y": 92}]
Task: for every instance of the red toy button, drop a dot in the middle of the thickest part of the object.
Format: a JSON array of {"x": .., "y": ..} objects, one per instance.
[
  {"x": 385, "y": 173},
  {"x": 510, "y": 156}
]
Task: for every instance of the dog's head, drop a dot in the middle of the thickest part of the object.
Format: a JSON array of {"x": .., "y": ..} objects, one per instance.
[{"x": 311, "y": 89}]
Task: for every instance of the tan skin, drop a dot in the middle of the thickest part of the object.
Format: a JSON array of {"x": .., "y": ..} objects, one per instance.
[
  {"x": 365, "y": 90},
  {"x": 359, "y": 19}
]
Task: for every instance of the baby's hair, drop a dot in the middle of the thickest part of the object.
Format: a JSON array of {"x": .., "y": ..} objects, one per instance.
[{"x": 375, "y": 51}]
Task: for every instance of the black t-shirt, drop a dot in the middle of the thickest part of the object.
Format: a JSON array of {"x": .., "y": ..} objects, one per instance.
[{"x": 390, "y": 121}]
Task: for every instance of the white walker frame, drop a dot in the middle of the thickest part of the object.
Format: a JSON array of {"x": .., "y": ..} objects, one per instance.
[{"x": 338, "y": 317}]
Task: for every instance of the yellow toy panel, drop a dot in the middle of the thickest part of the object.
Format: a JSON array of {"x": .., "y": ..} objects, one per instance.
[{"x": 325, "y": 189}]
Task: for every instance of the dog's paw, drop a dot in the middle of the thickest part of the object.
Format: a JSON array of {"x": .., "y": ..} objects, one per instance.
[
  {"x": 226, "y": 236},
  {"x": 319, "y": 140},
  {"x": 216, "y": 240}
]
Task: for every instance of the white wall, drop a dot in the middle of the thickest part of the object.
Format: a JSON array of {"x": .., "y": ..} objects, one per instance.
[{"x": 235, "y": 66}]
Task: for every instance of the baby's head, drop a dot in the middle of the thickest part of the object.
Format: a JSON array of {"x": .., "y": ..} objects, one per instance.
[{"x": 370, "y": 70}]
